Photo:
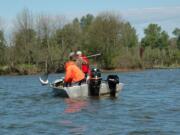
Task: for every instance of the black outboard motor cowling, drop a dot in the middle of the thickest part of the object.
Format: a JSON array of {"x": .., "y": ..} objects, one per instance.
[
  {"x": 112, "y": 81},
  {"x": 95, "y": 82}
]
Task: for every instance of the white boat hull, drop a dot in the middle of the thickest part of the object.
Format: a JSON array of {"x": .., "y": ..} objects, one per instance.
[{"x": 82, "y": 90}]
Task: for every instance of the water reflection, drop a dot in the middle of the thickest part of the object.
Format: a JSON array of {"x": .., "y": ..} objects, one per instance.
[
  {"x": 74, "y": 105},
  {"x": 73, "y": 127}
]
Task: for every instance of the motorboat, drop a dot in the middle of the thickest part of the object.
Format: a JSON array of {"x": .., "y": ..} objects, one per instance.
[{"x": 94, "y": 86}]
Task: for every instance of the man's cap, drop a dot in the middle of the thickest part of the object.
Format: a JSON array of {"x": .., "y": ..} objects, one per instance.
[{"x": 79, "y": 53}]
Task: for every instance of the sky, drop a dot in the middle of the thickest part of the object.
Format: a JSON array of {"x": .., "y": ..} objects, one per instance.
[{"x": 139, "y": 13}]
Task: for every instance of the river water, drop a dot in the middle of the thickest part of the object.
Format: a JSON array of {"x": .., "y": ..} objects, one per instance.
[{"x": 149, "y": 104}]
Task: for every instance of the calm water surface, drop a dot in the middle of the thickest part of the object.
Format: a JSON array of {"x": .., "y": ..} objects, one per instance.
[{"x": 148, "y": 105}]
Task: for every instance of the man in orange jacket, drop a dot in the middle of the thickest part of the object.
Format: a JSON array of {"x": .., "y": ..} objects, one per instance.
[{"x": 73, "y": 73}]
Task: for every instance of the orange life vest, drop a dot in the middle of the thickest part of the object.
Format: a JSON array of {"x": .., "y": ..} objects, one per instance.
[{"x": 73, "y": 73}]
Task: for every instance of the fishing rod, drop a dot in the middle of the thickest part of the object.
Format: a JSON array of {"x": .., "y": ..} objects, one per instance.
[{"x": 94, "y": 55}]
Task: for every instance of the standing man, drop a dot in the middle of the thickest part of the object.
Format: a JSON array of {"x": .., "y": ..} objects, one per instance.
[{"x": 82, "y": 62}]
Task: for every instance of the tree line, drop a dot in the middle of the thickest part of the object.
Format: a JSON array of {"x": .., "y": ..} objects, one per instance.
[{"x": 41, "y": 40}]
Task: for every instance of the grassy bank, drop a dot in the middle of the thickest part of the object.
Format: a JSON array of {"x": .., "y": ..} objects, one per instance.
[{"x": 23, "y": 69}]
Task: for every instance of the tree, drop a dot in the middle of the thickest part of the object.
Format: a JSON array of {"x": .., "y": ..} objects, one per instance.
[
  {"x": 24, "y": 45},
  {"x": 103, "y": 36},
  {"x": 164, "y": 40},
  {"x": 46, "y": 28},
  {"x": 2, "y": 48},
  {"x": 24, "y": 37},
  {"x": 155, "y": 37},
  {"x": 68, "y": 38},
  {"x": 86, "y": 21},
  {"x": 128, "y": 35},
  {"x": 176, "y": 32}
]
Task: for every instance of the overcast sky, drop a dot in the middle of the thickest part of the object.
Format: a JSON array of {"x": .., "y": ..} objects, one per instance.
[{"x": 139, "y": 13}]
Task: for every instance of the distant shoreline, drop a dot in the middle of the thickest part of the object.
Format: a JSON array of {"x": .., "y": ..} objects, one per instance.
[
  {"x": 138, "y": 69},
  {"x": 34, "y": 71}
]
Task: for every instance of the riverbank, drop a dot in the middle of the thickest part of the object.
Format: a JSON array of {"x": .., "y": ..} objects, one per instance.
[
  {"x": 122, "y": 70},
  {"x": 32, "y": 69}
]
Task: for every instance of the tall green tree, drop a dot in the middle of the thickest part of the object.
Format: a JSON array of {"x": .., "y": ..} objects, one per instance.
[
  {"x": 2, "y": 48},
  {"x": 128, "y": 35},
  {"x": 176, "y": 32},
  {"x": 86, "y": 21},
  {"x": 155, "y": 37},
  {"x": 163, "y": 41},
  {"x": 103, "y": 37}
]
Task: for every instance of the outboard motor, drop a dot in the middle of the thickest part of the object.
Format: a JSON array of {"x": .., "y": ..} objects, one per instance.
[
  {"x": 112, "y": 81},
  {"x": 95, "y": 82}
]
